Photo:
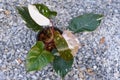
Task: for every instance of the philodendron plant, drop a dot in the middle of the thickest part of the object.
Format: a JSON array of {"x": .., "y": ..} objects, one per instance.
[{"x": 54, "y": 45}]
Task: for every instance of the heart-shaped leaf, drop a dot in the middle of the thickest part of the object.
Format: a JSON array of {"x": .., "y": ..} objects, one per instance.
[
  {"x": 45, "y": 10},
  {"x": 61, "y": 66},
  {"x": 23, "y": 11},
  {"x": 38, "y": 57},
  {"x": 86, "y": 22},
  {"x": 62, "y": 46}
]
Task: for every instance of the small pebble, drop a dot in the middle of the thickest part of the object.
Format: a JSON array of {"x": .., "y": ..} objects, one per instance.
[
  {"x": 7, "y": 12},
  {"x": 19, "y": 61}
]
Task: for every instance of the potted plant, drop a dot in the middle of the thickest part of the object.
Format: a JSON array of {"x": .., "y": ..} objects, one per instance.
[{"x": 52, "y": 44}]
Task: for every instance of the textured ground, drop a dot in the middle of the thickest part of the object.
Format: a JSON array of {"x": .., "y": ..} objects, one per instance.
[{"x": 98, "y": 59}]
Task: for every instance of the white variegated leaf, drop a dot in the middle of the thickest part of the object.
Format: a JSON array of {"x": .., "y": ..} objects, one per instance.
[{"x": 38, "y": 17}]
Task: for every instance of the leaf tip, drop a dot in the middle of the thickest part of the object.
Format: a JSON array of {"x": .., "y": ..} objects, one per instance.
[{"x": 100, "y": 17}]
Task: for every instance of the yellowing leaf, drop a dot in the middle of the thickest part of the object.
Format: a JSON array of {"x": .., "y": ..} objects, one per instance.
[
  {"x": 62, "y": 46},
  {"x": 72, "y": 41}
]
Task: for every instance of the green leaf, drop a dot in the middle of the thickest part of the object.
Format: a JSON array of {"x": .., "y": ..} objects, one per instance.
[
  {"x": 38, "y": 57},
  {"x": 44, "y": 10},
  {"x": 23, "y": 11},
  {"x": 86, "y": 22},
  {"x": 54, "y": 52},
  {"x": 62, "y": 46},
  {"x": 61, "y": 66}
]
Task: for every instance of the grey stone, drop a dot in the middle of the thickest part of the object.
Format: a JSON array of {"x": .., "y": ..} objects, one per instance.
[
  {"x": 16, "y": 40},
  {"x": 2, "y": 76}
]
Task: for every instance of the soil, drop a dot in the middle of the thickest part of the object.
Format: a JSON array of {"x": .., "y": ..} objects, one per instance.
[{"x": 47, "y": 36}]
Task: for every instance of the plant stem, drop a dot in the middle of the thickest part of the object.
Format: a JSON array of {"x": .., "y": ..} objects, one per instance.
[
  {"x": 52, "y": 36},
  {"x": 52, "y": 26}
]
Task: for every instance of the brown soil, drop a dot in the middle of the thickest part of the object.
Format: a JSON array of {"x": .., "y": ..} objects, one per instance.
[{"x": 46, "y": 35}]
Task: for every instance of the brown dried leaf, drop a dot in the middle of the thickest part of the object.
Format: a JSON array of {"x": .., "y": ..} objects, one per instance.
[
  {"x": 102, "y": 40},
  {"x": 90, "y": 71}
]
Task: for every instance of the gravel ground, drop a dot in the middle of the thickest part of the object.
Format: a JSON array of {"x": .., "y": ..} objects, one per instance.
[{"x": 98, "y": 59}]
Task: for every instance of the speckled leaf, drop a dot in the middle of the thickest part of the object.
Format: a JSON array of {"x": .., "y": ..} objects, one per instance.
[
  {"x": 61, "y": 66},
  {"x": 37, "y": 57},
  {"x": 86, "y": 22},
  {"x": 23, "y": 11},
  {"x": 45, "y": 10},
  {"x": 62, "y": 46}
]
